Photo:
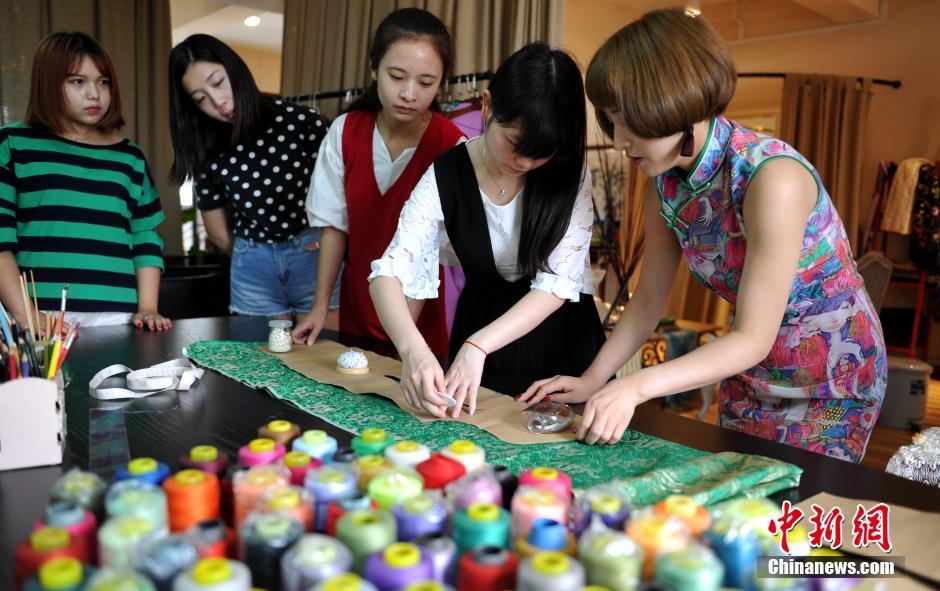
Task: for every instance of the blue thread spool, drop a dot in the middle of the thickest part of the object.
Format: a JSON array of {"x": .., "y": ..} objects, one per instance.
[
  {"x": 327, "y": 484},
  {"x": 552, "y": 571},
  {"x": 137, "y": 498},
  {"x": 312, "y": 560},
  {"x": 423, "y": 514},
  {"x": 546, "y": 535},
  {"x": 481, "y": 524},
  {"x": 693, "y": 568},
  {"x": 443, "y": 553},
  {"x": 399, "y": 565},
  {"x": 316, "y": 444},
  {"x": 344, "y": 457},
  {"x": 736, "y": 546},
  {"x": 62, "y": 573},
  {"x": 264, "y": 539},
  {"x": 145, "y": 469},
  {"x": 166, "y": 558}
]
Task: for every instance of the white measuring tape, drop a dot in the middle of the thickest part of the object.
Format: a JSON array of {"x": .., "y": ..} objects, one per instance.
[{"x": 179, "y": 374}]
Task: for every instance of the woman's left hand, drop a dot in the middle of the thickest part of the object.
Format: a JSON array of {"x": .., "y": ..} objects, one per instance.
[
  {"x": 463, "y": 378},
  {"x": 608, "y": 413},
  {"x": 151, "y": 319}
]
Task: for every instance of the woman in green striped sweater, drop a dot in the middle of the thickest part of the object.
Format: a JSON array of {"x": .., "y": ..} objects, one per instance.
[{"x": 78, "y": 205}]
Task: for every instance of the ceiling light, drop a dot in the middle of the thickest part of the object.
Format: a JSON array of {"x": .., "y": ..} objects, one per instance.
[
  {"x": 692, "y": 11},
  {"x": 253, "y": 21}
]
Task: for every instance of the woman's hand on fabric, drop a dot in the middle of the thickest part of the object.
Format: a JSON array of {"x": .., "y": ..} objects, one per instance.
[
  {"x": 421, "y": 379},
  {"x": 608, "y": 413},
  {"x": 152, "y": 319},
  {"x": 463, "y": 378},
  {"x": 310, "y": 326},
  {"x": 568, "y": 389}
]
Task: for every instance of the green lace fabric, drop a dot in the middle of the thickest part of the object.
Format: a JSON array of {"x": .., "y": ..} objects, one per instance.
[{"x": 645, "y": 468}]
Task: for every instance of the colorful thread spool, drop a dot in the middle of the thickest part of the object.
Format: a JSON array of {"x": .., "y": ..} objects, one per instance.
[
  {"x": 59, "y": 574},
  {"x": 249, "y": 486},
  {"x": 756, "y": 512},
  {"x": 438, "y": 470},
  {"x": 428, "y": 586},
  {"x": 78, "y": 486},
  {"x": 214, "y": 574},
  {"x": 508, "y": 481},
  {"x": 364, "y": 533},
  {"x": 43, "y": 544},
  {"x": 481, "y": 524},
  {"x": 264, "y": 539},
  {"x": 530, "y": 504},
  {"x": 487, "y": 569},
  {"x": 260, "y": 451},
  {"x": 328, "y": 484},
  {"x": 109, "y": 579},
  {"x": 281, "y": 431},
  {"x": 368, "y": 467},
  {"x": 442, "y": 551},
  {"x": 166, "y": 558},
  {"x": 548, "y": 478},
  {"x": 137, "y": 497},
  {"x": 611, "y": 558},
  {"x": 467, "y": 453},
  {"x": 340, "y": 507},
  {"x": 422, "y": 514},
  {"x": 316, "y": 444},
  {"x": 612, "y": 510},
  {"x": 76, "y": 520},
  {"x": 206, "y": 458},
  {"x": 736, "y": 545},
  {"x": 345, "y": 582},
  {"x": 399, "y": 565},
  {"x": 212, "y": 539},
  {"x": 146, "y": 469},
  {"x": 550, "y": 571},
  {"x": 312, "y": 560},
  {"x": 685, "y": 509},
  {"x": 395, "y": 485},
  {"x": 298, "y": 463},
  {"x": 407, "y": 454},
  {"x": 695, "y": 568},
  {"x": 479, "y": 486},
  {"x": 371, "y": 442},
  {"x": 122, "y": 540},
  {"x": 657, "y": 534},
  {"x": 294, "y": 501},
  {"x": 546, "y": 535},
  {"x": 191, "y": 496},
  {"x": 343, "y": 457}
]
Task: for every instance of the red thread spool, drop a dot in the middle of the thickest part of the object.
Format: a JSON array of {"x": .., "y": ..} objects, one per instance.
[
  {"x": 438, "y": 470},
  {"x": 226, "y": 483},
  {"x": 212, "y": 539},
  {"x": 487, "y": 568},
  {"x": 76, "y": 520},
  {"x": 249, "y": 486},
  {"x": 206, "y": 458},
  {"x": 191, "y": 496},
  {"x": 282, "y": 432},
  {"x": 299, "y": 463},
  {"x": 43, "y": 544}
]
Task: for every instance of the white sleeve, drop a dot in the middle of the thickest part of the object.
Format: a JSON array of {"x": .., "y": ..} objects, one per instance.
[
  {"x": 326, "y": 197},
  {"x": 413, "y": 254},
  {"x": 572, "y": 254}
]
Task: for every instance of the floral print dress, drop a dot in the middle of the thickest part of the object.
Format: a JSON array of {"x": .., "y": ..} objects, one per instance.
[{"x": 822, "y": 384}]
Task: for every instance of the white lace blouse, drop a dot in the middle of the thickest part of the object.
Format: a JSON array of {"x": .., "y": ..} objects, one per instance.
[{"x": 421, "y": 241}]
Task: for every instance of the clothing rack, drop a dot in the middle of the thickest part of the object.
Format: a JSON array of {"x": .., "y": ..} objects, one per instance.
[
  {"x": 350, "y": 92},
  {"x": 891, "y": 83}
]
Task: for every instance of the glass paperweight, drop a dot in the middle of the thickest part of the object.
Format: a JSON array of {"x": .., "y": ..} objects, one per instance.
[{"x": 547, "y": 417}]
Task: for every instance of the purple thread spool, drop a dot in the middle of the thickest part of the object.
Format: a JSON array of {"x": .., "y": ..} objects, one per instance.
[
  {"x": 612, "y": 509},
  {"x": 419, "y": 515},
  {"x": 442, "y": 550},
  {"x": 396, "y": 567},
  {"x": 328, "y": 484},
  {"x": 480, "y": 486},
  {"x": 260, "y": 451}
]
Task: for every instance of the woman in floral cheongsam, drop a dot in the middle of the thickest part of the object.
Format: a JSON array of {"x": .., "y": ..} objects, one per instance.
[{"x": 804, "y": 361}]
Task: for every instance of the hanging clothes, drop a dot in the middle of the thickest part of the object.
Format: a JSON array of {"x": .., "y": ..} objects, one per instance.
[{"x": 900, "y": 201}]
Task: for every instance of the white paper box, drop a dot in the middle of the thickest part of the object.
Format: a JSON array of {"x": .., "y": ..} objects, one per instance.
[{"x": 32, "y": 423}]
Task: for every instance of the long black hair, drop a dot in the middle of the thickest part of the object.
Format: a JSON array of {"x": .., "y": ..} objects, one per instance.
[
  {"x": 405, "y": 24},
  {"x": 539, "y": 89},
  {"x": 197, "y": 138}
]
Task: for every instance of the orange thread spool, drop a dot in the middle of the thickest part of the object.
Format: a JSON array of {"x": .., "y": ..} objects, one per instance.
[
  {"x": 192, "y": 496},
  {"x": 250, "y": 485},
  {"x": 294, "y": 501}
]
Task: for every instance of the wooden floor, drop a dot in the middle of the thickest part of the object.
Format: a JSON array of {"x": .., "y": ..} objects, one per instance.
[{"x": 884, "y": 440}]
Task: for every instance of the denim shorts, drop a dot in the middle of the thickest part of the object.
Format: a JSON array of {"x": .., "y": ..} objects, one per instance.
[{"x": 276, "y": 279}]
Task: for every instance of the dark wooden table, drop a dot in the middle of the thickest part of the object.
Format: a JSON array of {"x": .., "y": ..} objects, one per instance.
[{"x": 224, "y": 413}]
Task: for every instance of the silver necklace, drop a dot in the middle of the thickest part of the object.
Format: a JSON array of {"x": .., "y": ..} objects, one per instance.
[{"x": 503, "y": 191}]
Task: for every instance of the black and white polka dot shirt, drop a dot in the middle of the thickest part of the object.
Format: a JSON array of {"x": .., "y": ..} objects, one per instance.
[{"x": 266, "y": 178}]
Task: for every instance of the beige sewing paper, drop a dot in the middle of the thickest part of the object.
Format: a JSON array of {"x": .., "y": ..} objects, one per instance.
[
  {"x": 913, "y": 533},
  {"x": 497, "y": 414}
]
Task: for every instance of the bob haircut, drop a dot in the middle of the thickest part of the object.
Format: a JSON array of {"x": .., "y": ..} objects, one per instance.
[
  {"x": 58, "y": 56},
  {"x": 198, "y": 138},
  {"x": 662, "y": 73},
  {"x": 405, "y": 24}
]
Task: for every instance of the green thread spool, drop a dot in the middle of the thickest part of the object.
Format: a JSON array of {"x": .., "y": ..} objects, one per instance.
[
  {"x": 611, "y": 559},
  {"x": 121, "y": 540},
  {"x": 371, "y": 442},
  {"x": 395, "y": 486},
  {"x": 695, "y": 568},
  {"x": 481, "y": 524},
  {"x": 108, "y": 579},
  {"x": 365, "y": 532}
]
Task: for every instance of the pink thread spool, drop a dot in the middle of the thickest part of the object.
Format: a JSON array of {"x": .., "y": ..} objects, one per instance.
[
  {"x": 531, "y": 503},
  {"x": 548, "y": 478},
  {"x": 298, "y": 463},
  {"x": 249, "y": 487},
  {"x": 479, "y": 486},
  {"x": 76, "y": 520},
  {"x": 206, "y": 458},
  {"x": 260, "y": 451}
]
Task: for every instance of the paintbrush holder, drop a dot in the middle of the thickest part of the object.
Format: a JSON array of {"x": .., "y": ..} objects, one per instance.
[{"x": 32, "y": 422}]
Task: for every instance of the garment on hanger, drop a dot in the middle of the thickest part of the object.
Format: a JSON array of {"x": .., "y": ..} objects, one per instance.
[
  {"x": 900, "y": 200},
  {"x": 925, "y": 223}
]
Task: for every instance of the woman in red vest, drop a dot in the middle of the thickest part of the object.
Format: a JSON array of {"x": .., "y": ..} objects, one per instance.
[{"x": 369, "y": 163}]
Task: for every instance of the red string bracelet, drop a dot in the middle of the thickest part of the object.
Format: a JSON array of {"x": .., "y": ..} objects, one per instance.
[{"x": 472, "y": 344}]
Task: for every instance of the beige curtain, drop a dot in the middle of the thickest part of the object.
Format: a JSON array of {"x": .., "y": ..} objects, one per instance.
[
  {"x": 825, "y": 118},
  {"x": 326, "y": 42},
  {"x": 136, "y": 34}
]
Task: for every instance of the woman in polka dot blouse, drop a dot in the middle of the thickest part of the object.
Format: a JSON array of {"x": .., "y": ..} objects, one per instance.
[{"x": 256, "y": 155}]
